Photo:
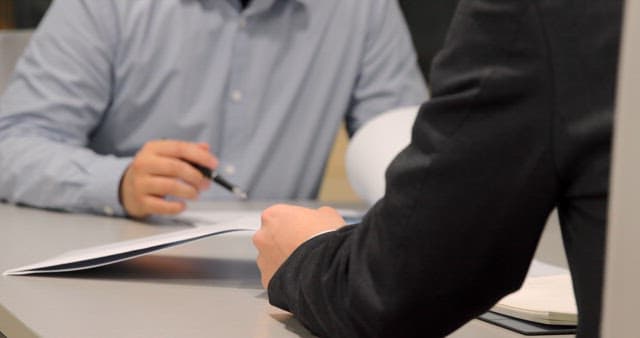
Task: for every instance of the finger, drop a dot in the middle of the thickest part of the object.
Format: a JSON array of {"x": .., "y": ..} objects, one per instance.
[
  {"x": 192, "y": 152},
  {"x": 204, "y": 146},
  {"x": 256, "y": 239},
  {"x": 160, "y": 206},
  {"x": 163, "y": 186},
  {"x": 175, "y": 168}
]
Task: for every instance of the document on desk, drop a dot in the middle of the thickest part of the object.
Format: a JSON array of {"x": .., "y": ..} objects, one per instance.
[
  {"x": 546, "y": 297},
  {"x": 205, "y": 224},
  {"x": 543, "y": 306}
]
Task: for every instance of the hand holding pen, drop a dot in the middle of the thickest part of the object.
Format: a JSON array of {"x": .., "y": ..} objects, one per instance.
[
  {"x": 217, "y": 178},
  {"x": 166, "y": 168}
]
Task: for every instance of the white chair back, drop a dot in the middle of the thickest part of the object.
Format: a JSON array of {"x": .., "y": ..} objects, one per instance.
[{"x": 372, "y": 149}]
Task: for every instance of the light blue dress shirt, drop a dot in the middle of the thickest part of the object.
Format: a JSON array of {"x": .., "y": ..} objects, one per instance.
[{"x": 266, "y": 87}]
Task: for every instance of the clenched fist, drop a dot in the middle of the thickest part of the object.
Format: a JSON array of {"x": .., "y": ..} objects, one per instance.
[{"x": 160, "y": 169}]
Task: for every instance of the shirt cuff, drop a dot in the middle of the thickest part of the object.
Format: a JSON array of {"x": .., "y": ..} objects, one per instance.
[
  {"x": 102, "y": 192},
  {"x": 318, "y": 234}
]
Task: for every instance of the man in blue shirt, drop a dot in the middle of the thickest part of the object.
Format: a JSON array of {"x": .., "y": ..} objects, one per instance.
[{"x": 111, "y": 98}]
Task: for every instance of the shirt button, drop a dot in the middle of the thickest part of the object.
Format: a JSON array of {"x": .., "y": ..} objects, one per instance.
[
  {"x": 108, "y": 210},
  {"x": 236, "y": 96},
  {"x": 230, "y": 169}
]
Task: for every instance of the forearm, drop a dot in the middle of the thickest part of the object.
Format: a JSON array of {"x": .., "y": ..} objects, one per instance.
[
  {"x": 40, "y": 172},
  {"x": 410, "y": 265},
  {"x": 59, "y": 92}
]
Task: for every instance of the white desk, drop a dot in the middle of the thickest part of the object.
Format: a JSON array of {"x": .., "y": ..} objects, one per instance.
[{"x": 208, "y": 288}]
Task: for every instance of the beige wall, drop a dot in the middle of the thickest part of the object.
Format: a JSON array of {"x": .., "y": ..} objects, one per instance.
[
  {"x": 12, "y": 43},
  {"x": 622, "y": 292},
  {"x": 335, "y": 186}
]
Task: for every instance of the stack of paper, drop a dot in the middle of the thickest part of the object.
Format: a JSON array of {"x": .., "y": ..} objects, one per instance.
[
  {"x": 543, "y": 299},
  {"x": 87, "y": 258}
]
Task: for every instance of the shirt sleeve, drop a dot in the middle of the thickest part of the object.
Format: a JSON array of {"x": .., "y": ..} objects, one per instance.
[
  {"x": 465, "y": 202},
  {"x": 389, "y": 73},
  {"x": 57, "y": 96}
]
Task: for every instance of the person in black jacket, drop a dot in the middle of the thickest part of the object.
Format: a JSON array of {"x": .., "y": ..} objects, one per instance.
[{"x": 519, "y": 123}]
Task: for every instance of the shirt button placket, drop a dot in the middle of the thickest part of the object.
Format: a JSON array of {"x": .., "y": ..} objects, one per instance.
[{"x": 234, "y": 130}]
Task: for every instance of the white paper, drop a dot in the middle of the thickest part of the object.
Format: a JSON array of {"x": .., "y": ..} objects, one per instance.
[
  {"x": 546, "y": 296},
  {"x": 120, "y": 251},
  {"x": 542, "y": 299},
  {"x": 539, "y": 269},
  {"x": 211, "y": 217},
  {"x": 372, "y": 149}
]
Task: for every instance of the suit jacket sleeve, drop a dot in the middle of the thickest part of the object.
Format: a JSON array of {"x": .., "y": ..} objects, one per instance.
[{"x": 465, "y": 202}]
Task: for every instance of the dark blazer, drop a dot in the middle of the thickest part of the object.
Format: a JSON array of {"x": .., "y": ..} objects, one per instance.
[{"x": 519, "y": 123}]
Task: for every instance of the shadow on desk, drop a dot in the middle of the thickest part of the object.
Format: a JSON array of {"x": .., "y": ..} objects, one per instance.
[
  {"x": 292, "y": 324},
  {"x": 217, "y": 272}
]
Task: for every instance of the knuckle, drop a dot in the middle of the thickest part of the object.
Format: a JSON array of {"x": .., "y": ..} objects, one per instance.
[
  {"x": 189, "y": 192},
  {"x": 257, "y": 239},
  {"x": 144, "y": 208},
  {"x": 173, "y": 168},
  {"x": 138, "y": 164},
  {"x": 145, "y": 205},
  {"x": 173, "y": 186},
  {"x": 166, "y": 146},
  {"x": 325, "y": 209},
  {"x": 162, "y": 208},
  {"x": 175, "y": 208},
  {"x": 180, "y": 149},
  {"x": 328, "y": 210},
  {"x": 215, "y": 162},
  {"x": 146, "y": 147},
  {"x": 273, "y": 210},
  {"x": 138, "y": 186},
  {"x": 267, "y": 215},
  {"x": 150, "y": 147}
]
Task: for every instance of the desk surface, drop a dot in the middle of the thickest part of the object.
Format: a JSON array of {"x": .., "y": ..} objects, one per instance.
[{"x": 210, "y": 287}]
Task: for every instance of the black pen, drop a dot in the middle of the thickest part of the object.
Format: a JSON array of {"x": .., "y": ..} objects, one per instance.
[{"x": 214, "y": 176}]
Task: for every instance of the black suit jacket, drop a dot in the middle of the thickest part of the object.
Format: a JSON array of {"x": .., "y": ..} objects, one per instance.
[{"x": 519, "y": 123}]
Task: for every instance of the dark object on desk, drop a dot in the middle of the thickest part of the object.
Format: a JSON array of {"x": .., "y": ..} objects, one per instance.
[
  {"x": 214, "y": 176},
  {"x": 525, "y": 327}
]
